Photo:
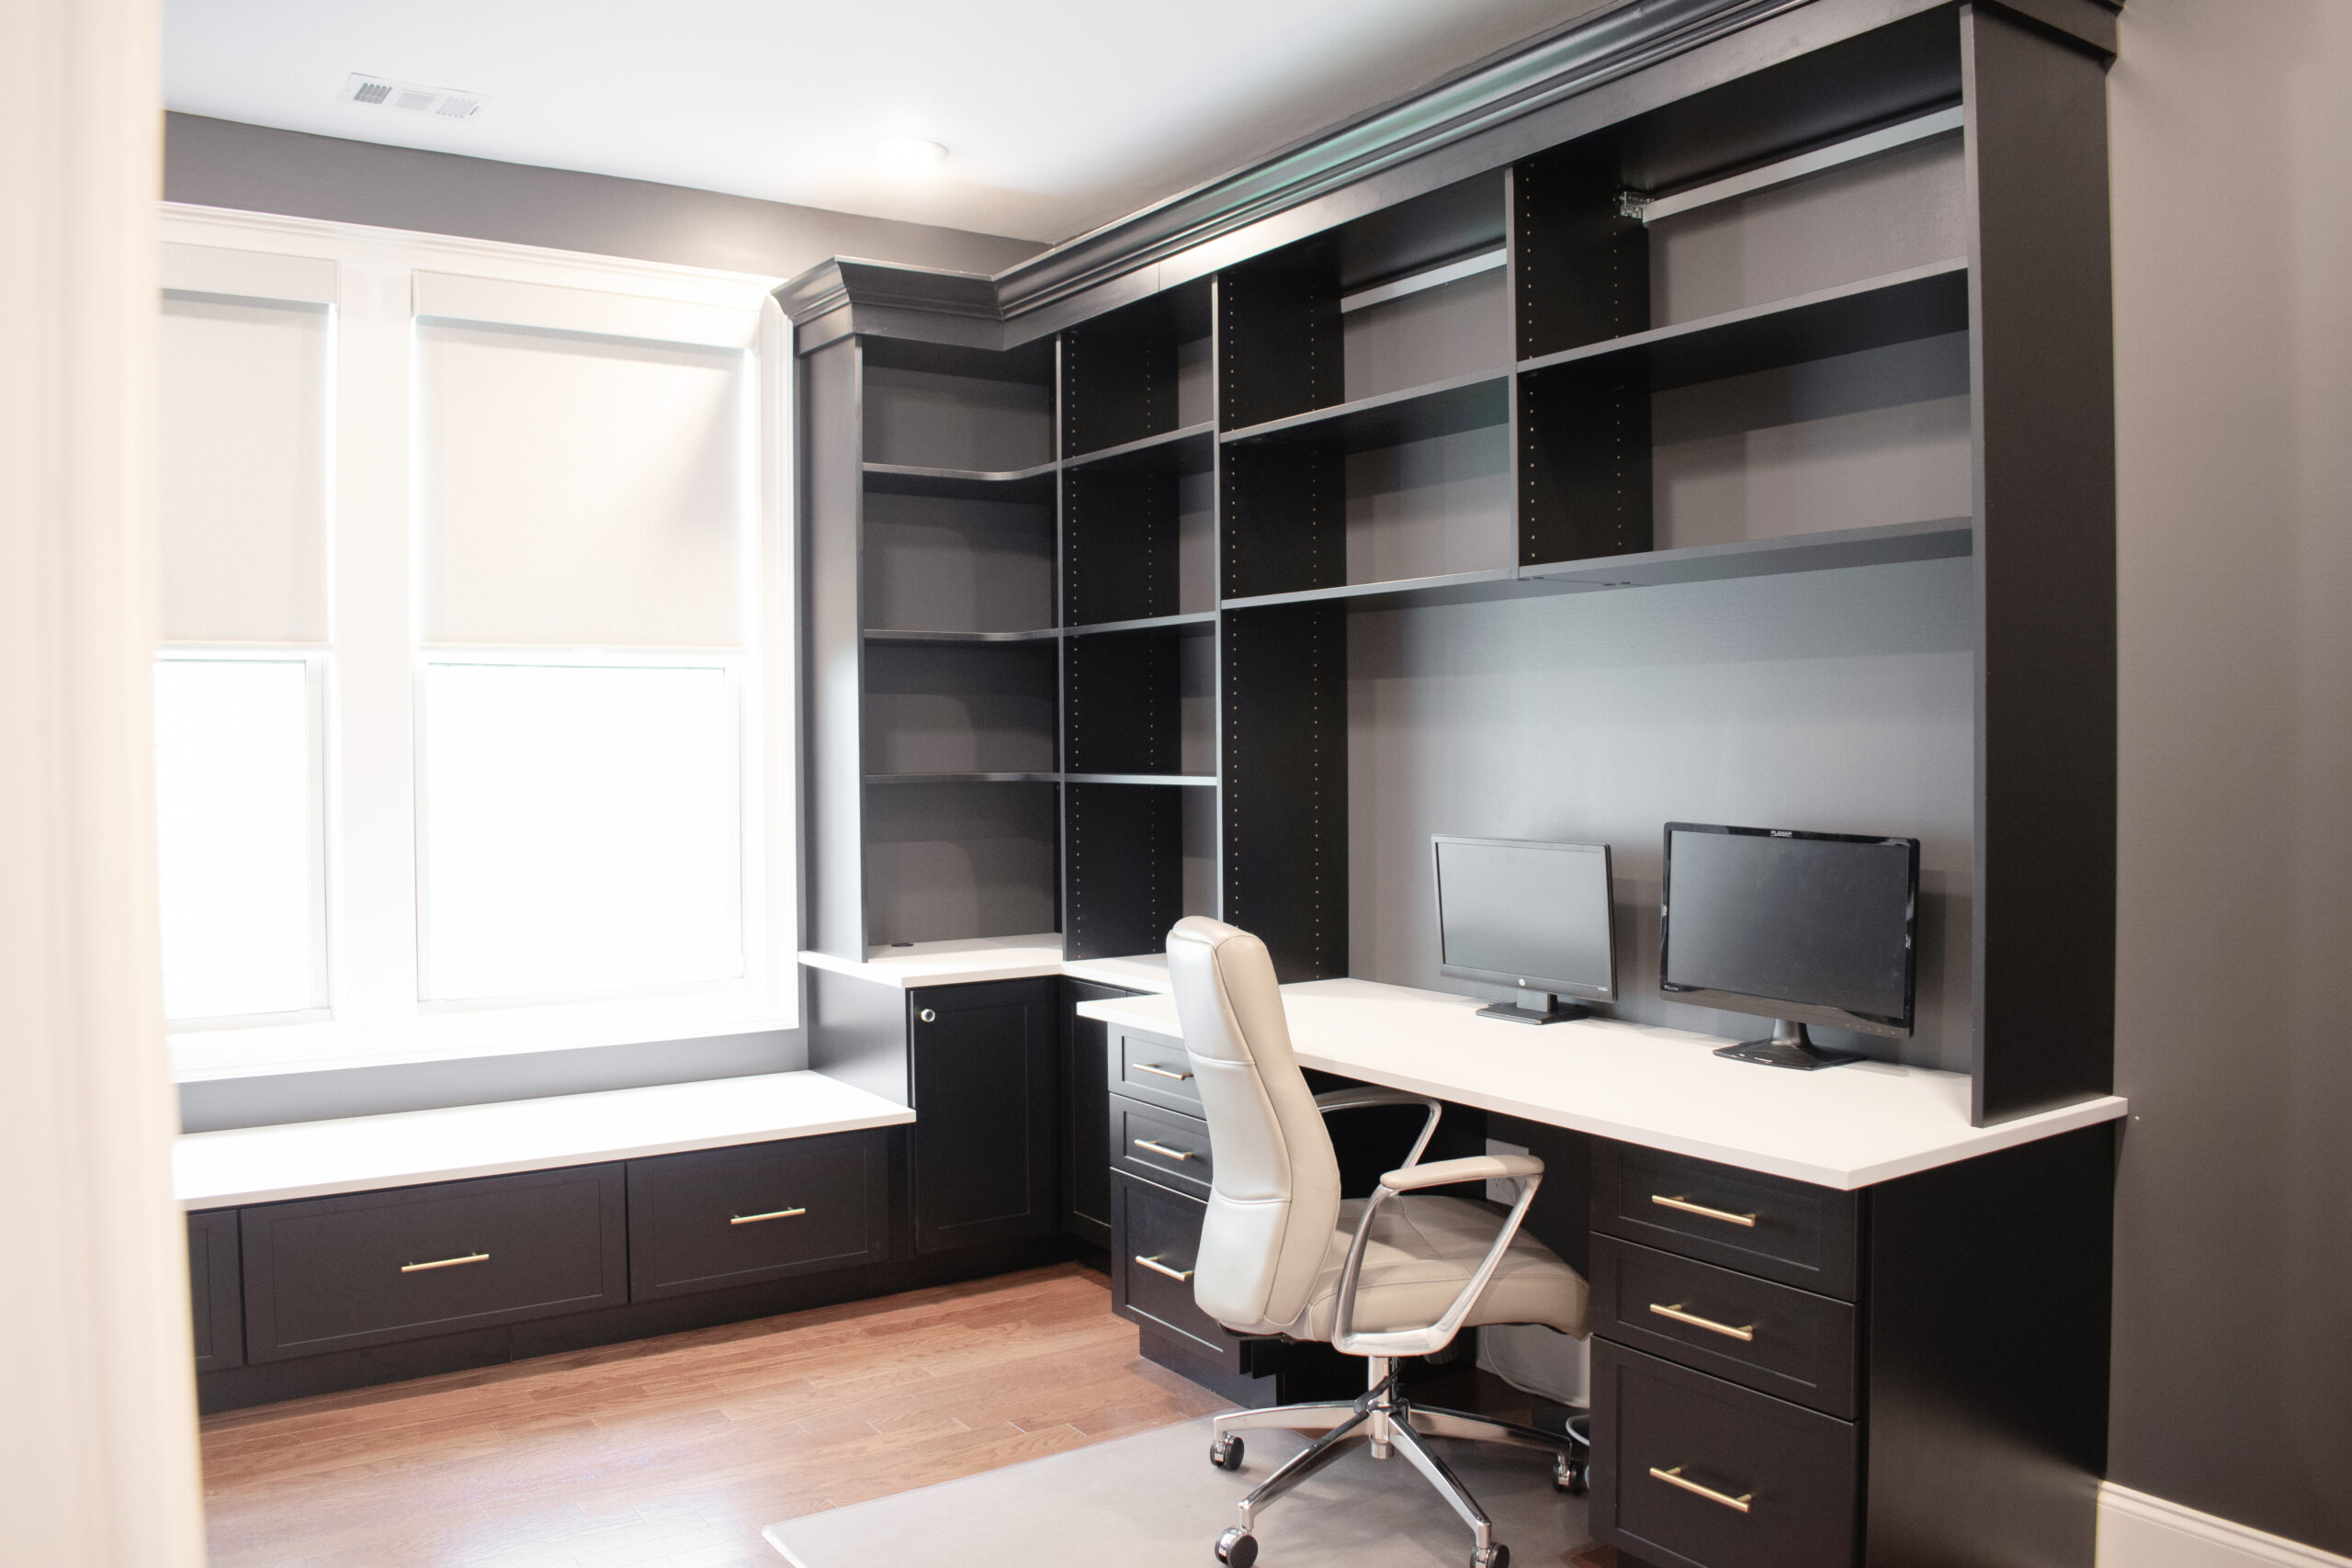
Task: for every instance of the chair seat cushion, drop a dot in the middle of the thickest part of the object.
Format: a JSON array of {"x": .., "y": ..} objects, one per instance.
[{"x": 1421, "y": 1252}]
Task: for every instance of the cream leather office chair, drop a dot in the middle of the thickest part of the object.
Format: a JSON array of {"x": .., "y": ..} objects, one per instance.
[{"x": 1383, "y": 1277}]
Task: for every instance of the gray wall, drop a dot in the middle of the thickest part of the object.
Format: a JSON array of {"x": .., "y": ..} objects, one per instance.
[
  {"x": 219, "y": 162},
  {"x": 2232, "y": 135},
  {"x": 274, "y": 1097},
  {"x": 1838, "y": 701}
]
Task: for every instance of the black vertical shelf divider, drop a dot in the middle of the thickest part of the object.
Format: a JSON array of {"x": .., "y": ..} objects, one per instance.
[{"x": 1286, "y": 758}]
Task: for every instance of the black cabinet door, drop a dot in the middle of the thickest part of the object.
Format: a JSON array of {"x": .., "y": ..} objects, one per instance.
[
  {"x": 984, "y": 1151},
  {"x": 1086, "y": 1087},
  {"x": 216, "y": 1305}
]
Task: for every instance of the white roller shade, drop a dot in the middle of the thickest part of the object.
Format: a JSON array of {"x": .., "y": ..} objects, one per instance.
[
  {"x": 244, "y": 399},
  {"x": 582, "y": 490}
]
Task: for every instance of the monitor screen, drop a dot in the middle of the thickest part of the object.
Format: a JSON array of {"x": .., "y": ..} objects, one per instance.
[
  {"x": 1818, "y": 922},
  {"x": 1518, "y": 913}
]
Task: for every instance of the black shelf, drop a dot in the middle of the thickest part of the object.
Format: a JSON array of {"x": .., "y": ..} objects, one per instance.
[
  {"x": 961, "y": 778},
  {"x": 1938, "y": 539},
  {"x": 1415, "y": 413},
  {"x": 1034, "y": 484},
  {"x": 1149, "y": 451},
  {"x": 1453, "y": 587},
  {"x": 1924, "y": 301},
  {"x": 900, "y": 638},
  {"x": 1144, "y": 623},
  {"x": 1189, "y": 781}
]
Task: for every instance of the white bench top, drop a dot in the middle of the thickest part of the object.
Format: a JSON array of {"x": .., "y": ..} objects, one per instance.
[{"x": 313, "y": 1159}]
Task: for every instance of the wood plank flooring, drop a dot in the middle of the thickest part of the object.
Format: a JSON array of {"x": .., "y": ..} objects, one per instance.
[{"x": 675, "y": 1452}]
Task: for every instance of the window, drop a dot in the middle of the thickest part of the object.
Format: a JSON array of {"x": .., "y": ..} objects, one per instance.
[{"x": 473, "y": 699}]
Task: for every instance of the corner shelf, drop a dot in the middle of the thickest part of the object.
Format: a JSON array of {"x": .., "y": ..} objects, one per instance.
[
  {"x": 899, "y": 637},
  {"x": 961, "y": 778},
  {"x": 1923, "y": 301},
  {"x": 1034, "y": 484}
]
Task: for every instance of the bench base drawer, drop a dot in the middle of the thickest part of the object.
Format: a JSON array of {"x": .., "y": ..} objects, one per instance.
[
  {"x": 374, "y": 1267},
  {"x": 1773, "y": 1339},
  {"x": 1152, "y": 1223},
  {"x": 736, "y": 1216}
]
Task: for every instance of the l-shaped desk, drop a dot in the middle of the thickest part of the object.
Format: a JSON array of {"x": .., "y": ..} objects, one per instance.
[{"x": 1887, "y": 1337}]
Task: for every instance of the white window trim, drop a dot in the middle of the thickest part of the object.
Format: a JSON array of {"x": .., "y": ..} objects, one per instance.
[{"x": 383, "y": 279}]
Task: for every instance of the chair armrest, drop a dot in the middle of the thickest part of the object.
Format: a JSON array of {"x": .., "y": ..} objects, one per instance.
[
  {"x": 1366, "y": 1095},
  {"x": 1470, "y": 1167}
]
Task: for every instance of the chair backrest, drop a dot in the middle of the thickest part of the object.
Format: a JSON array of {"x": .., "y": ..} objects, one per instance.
[{"x": 1275, "y": 1198}]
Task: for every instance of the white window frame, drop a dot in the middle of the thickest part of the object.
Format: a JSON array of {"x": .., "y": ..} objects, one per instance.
[{"x": 372, "y": 669}]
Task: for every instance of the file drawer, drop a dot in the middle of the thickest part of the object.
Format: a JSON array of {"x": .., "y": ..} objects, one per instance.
[
  {"x": 1160, "y": 1145},
  {"x": 1774, "y": 1338},
  {"x": 1790, "y": 1231},
  {"x": 1692, "y": 1472},
  {"x": 372, "y": 1268},
  {"x": 1158, "y": 1238},
  {"x": 1157, "y": 1072},
  {"x": 736, "y": 1216}
]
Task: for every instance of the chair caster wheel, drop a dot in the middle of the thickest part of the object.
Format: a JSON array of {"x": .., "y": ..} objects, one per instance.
[
  {"x": 1568, "y": 1475},
  {"x": 1236, "y": 1548},
  {"x": 1495, "y": 1556},
  {"x": 1226, "y": 1452}
]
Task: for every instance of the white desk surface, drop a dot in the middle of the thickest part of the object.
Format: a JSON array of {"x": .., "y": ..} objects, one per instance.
[
  {"x": 313, "y": 1159},
  {"x": 992, "y": 958},
  {"x": 1663, "y": 1088}
]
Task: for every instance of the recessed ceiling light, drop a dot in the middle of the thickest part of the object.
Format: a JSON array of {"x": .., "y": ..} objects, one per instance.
[{"x": 909, "y": 157}]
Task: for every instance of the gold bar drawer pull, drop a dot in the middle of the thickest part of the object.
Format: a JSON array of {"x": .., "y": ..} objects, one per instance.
[
  {"x": 1161, "y": 1072},
  {"x": 771, "y": 1214},
  {"x": 1700, "y": 1210},
  {"x": 444, "y": 1263},
  {"x": 1710, "y": 1325},
  {"x": 1157, "y": 1267},
  {"x": 1675, "y": 1478},
  {"x": 1163, "y": 1149}
]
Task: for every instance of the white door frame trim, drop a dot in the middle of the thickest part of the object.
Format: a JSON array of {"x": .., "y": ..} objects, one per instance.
[{"x": 98, "y": 1452}]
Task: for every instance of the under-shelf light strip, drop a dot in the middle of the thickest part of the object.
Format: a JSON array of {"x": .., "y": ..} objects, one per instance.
[{"x": 1885, "y": 139}]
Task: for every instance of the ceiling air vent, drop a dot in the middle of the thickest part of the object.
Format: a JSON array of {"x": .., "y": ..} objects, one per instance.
[{"x": 383, "y": 91}]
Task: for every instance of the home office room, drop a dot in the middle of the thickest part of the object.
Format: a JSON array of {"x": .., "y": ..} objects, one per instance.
[{"x": 1526, "y": 780}]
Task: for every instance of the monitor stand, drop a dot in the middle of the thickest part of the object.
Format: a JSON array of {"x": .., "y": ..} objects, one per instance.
[
  {"x": 1790, "y": 1046},
  {"x": 1550, "y": 1012}
]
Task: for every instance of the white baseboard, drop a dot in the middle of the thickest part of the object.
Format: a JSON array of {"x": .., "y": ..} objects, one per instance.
[{"x": 2136, "y": 1530}]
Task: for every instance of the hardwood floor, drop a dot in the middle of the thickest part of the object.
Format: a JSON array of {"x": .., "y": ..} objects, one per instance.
[{"x": 675, "y": 1452}]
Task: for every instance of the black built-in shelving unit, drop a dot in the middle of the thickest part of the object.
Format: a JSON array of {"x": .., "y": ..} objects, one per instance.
[{"x": 1104, "y": 529}]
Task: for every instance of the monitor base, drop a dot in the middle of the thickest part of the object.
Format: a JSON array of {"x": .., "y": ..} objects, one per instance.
[
  {"x": 1553, "y": 1012},
  {"x": 1791, "y": 1046}
]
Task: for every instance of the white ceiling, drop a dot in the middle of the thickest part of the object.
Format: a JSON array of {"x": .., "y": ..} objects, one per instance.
[{"x": 1058, "y": 115}]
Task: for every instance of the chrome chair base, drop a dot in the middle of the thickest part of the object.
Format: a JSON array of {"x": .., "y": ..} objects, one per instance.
[{"x": 1386, "y": 1418}]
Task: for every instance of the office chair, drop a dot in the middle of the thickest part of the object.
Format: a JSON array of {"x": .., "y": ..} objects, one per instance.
[{"x": 1383, "y": 1277}]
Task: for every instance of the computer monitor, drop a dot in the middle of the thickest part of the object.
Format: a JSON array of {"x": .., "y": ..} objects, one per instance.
[
  {"x": 1800, "y": 928},
  {"x": 1514, "y": 912}
]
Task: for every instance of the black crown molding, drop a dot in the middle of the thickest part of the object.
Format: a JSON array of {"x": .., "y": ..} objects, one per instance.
[{"x": 1599, "y": 49}]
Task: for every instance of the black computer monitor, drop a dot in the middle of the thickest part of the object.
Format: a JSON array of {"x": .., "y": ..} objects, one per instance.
[
  {"x": 1800, "y": 928},
  {"x": 1514, "y": 912}
]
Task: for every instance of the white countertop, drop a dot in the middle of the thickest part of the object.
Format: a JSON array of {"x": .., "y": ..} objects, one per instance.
[
  {"x": 313, "y": 1159},
  {"x": 1663, "y": 1088},
  {"x": 968, "y": 962}
]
